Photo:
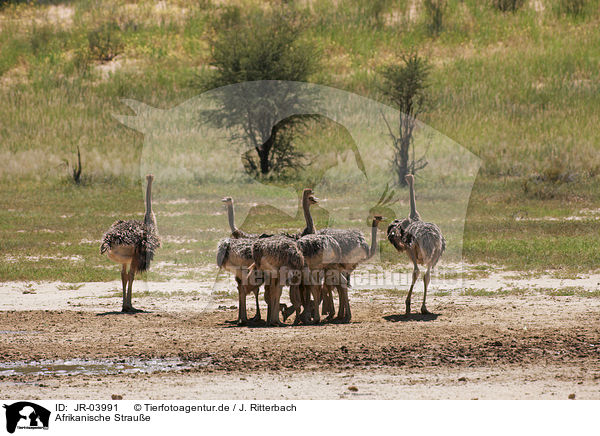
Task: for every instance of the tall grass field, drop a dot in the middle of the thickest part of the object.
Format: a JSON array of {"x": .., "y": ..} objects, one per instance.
[{"x": 515, "y": 89}]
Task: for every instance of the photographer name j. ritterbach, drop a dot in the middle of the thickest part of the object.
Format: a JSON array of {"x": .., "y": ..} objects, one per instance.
[{"x": 252, "y": 407}]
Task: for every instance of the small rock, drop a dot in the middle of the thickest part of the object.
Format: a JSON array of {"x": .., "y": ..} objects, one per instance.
[
  {"x": 463, "y": 379},
  {"x": 352, "y": 388},
  {"x": 116, "y": 397},
  {"x": 571, "y": 396}
]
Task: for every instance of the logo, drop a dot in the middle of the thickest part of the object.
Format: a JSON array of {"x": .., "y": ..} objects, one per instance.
[{"x": 26, "y": 415}]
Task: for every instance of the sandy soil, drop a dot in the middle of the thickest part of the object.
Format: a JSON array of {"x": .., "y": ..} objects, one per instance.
[{"x": 529, "y": 346}]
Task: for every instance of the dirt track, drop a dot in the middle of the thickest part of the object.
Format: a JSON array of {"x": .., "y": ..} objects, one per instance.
[{"x": 483, "y": 347}]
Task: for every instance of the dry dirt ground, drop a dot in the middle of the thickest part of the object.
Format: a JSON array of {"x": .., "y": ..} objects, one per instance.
[{"x": 485, "y": 347}]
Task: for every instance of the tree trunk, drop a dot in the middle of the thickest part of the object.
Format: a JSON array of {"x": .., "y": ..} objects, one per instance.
[
  {"x": 263, "y": 155},
  {"x": 264, "y": 152}
]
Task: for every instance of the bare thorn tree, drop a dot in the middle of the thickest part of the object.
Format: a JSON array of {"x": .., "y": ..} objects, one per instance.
[
  {"x": 405, "y": 85},
  {"x": 75, "y": 168}
]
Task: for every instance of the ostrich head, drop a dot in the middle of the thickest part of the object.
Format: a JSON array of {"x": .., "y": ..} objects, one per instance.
[
  {"x": 396, "y": 232},
  {"x": 308, "y": 196}
]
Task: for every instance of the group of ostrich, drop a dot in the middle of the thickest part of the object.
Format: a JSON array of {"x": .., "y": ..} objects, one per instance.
[{"x": 312, "y": 263}]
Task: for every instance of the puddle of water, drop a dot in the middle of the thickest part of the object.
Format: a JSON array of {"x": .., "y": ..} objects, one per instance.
[
  {"x": 17, "y": 332},
  {"x": 92, "y": 367}
]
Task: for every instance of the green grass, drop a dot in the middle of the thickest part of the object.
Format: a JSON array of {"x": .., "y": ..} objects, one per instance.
[{"x": 519, "y": 90}]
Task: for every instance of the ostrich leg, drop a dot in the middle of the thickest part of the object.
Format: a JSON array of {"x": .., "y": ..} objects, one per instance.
[
  {"x": 254, "y": 280},
  {"x": 328, "y": 307},
  {"x": 242, "y": 314},
  {"x": 274, "y": 298},
  {"x": 343, "y": 286},
  {"x": 426, "y": 278},
  {"x": 415, "y": 276},
  {"x": 344, "y": 309},
  {"x": 124, "y": 278},
  {"x": 296, "y": 299},
  {"x": 315, "y": 291},
  {"x": 128, "y": 307},
  {"x": 256, "y": 317}
]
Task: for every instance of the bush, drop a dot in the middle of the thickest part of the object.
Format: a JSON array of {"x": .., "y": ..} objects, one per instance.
[
  {"x": 104, "y": 42},
  {"x": 372, "y": 11},
  {"x": 434, "y": 12},
  {"x": 570, "y": 7},
  {"x": 508, "y": 5}
]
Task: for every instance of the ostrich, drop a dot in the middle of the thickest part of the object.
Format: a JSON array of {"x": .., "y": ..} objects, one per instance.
[
  {"x": 423, "y": 242},
  {"x": 280, "y": 261},
  {"x": 235, "y": 255},
  {"x": 321, "y": 255},
  {"x": 132, "y": 244},
  {"x": 354, "y": 250}
]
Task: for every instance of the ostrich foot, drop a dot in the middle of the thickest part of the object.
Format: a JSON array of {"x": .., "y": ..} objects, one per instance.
[
  {"x": 242, "y": 322},
  {"x": 408, "y": 308},
  {"x": 256, "y": 318},
  {"x": 424, "y": 310},
  {"x": 286, "y": 312}
]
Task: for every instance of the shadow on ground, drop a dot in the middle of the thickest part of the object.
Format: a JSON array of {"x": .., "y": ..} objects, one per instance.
[
  {"x": 412, "y": 317},
  {"x": 123, "y": 313}
]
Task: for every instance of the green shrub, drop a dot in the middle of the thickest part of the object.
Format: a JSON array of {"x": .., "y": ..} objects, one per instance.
[
  {"x": 105, "y": 42},
  {"x": 434, "y": 14},
  {"x": 570, "y": 7},
  {"x": 508, "y": 5}
]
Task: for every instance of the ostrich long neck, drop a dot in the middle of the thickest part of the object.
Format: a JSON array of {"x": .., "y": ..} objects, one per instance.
[
  {"x": 231, "y": 218},
  {"x": 149, "y": 218},
  {"x": 414, "y": 215},
  {"x": 373, "y": 248},
  {"x": 310, "y": 227}
]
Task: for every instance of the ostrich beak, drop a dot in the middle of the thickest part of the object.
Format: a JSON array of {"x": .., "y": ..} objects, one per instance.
[{"x": 314, "y": 199}]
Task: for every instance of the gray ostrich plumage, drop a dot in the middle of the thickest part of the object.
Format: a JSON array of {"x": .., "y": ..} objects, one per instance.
[
  {"x": 283, "y": 251},
  {"x": 238, "y": 247},
  {"x": 323, "y": 248},
  {"x": 404, "y": 234},
  {"x": 348, "y": 239},
  {"x": 139, "y": 234}
]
